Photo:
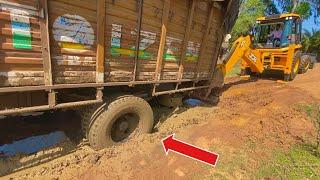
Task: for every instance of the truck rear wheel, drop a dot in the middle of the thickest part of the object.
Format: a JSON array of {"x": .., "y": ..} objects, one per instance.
[
  {"x": 294, "y": 67},
  {"x": 120, "y": 120}
]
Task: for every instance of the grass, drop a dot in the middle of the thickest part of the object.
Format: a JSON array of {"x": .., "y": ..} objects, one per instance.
[
  {"x": 235, "y": 71},
  {"x": 232, "y": 163},
  {"x": 313, "y": 113},
  {"x": 312, "y": 110},
  {"x": 300, "y": 162}
]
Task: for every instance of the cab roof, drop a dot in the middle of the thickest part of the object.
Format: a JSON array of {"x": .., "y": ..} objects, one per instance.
[{"x": 278, "y": 16}]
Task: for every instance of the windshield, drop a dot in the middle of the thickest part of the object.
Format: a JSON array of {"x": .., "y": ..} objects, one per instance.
[
  {"x": 277, "y": 34},
  {"x": 269, "y": 35}
]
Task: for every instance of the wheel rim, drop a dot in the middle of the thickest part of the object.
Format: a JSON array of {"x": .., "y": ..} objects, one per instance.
[
  {"x": 124, "y": 126},
  {"x": 296, "y": 66}
]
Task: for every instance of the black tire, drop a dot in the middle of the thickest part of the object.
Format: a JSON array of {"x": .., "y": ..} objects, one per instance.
[
  {"x": 245, "y": 72},
  {"x": 304, "y": 64},
  {"x": 119, "y": 121},
  {"x": 286, "y": 77},
  {"x": 312, "y": 65},
  {"x": 88, "y": 113},
  {"x": 86, "y": 117},
  {"x": 294, "y": 67}
]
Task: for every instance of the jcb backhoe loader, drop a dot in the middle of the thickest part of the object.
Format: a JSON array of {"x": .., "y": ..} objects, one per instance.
[{"x": 275, "y": 44}]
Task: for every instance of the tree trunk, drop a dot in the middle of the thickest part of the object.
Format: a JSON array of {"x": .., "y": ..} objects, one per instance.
[{"x": 295, "y": 4}]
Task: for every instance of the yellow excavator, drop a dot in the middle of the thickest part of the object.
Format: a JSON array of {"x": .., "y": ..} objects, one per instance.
[{"x": 273, "y": 45}]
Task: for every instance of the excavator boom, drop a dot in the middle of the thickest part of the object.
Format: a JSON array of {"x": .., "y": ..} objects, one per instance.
[{"x": 240, "y": 50}]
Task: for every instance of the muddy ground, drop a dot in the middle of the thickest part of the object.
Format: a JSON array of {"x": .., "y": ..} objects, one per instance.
[{"x": 255, "y": 121}]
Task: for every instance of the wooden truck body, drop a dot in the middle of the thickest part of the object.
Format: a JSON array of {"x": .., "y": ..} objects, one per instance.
[{"x": 63, "y": 54}]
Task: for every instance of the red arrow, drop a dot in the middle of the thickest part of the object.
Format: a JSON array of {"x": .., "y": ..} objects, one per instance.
[{"x": 185, "y": 149}]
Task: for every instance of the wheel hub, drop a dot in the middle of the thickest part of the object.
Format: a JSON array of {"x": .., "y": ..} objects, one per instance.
[{"x": 124, "y": 126}]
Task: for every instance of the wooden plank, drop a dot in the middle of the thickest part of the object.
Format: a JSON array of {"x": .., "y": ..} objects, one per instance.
[
  {"x": 204, "y": 40},
  {"x": 44, "y": 28},
  {"x": 47, "y": 66},
  {"x": 87, "y": 85},
  {"x": 165, "y": 17},
  {"x": 186, "y": 39},
  {"x": 136, "y": 57},
  {"x": 100, "y": 57},
  {"x": 219, "y": 39}
]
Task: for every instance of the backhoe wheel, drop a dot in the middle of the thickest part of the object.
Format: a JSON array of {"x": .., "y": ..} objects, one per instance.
[
  {"x": 305, "y": 64},
  {"x": 245, "y": 72},
  {"x": 119, "y": 121},
  {"x": 286, "y": 77},
  {"x": 312, "y": 64},
  {"x": 294, "y": 67}
]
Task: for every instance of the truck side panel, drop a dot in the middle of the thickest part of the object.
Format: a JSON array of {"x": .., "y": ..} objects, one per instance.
[
  {"x": 73, "y": 29},
  {"x": 21, "y": 62},
  {"x": 73, "y": 41}
]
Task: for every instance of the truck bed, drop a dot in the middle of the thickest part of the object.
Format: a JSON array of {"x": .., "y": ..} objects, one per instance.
[{"x": 55, "y": 44}]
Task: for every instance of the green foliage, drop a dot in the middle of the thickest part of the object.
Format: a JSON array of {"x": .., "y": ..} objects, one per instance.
[
  {"x": 311, "y": 41},
  {"x": 313, "y": 112},
  {"x": 306, "y": 8},
  {"x": 250, "y": 10},
  {"x": 271, "y": 7},
  {"x": 300, "y": 163},
  {"x": 235, "y": 70}
]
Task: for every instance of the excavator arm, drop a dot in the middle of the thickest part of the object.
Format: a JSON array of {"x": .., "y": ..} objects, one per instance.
[{"x": 240, "y": 50}]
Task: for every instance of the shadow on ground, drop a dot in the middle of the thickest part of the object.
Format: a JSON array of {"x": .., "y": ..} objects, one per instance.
[{"x": 27, "y": 141}]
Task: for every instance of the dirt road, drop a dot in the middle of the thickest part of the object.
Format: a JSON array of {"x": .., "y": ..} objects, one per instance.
[{"x": 258, "y": 128}]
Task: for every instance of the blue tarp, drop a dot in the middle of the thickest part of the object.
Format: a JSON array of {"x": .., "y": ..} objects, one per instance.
[{"x": 32, "y": 144}]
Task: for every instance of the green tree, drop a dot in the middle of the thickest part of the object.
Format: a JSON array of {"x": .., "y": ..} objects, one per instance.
[
  {"x": 250, "y": 10},
  {"x": 271, "y": 7},
  {"x": 306, "y": 41},
  {"x": 306, "y": 8},
  {"x": 315, "y": 43},
  {"x": 311, "y": 41}
]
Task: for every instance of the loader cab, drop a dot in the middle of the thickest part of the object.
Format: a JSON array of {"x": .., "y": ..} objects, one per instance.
[{"x": 277, "y": 31}]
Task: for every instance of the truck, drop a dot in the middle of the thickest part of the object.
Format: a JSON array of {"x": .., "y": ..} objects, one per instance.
[{"x": 108, "y": 58}]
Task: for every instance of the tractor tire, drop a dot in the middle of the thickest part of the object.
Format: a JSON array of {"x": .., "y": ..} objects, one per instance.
[
  {"x": 294, "y": 67},
  {"x": 245, "y": 72},
  {"x": 119, "y": 121},
  {"x": 304, "y": 64},
  {"x": 286, "y": 77},
  {"x": 312, "y": 64}
]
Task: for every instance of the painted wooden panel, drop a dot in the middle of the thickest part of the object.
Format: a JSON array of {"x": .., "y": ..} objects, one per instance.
[
  {"x": 73, "y": 27},
  {"x": 73, "y": 40},
  {"x": 20, "y": 54}
]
